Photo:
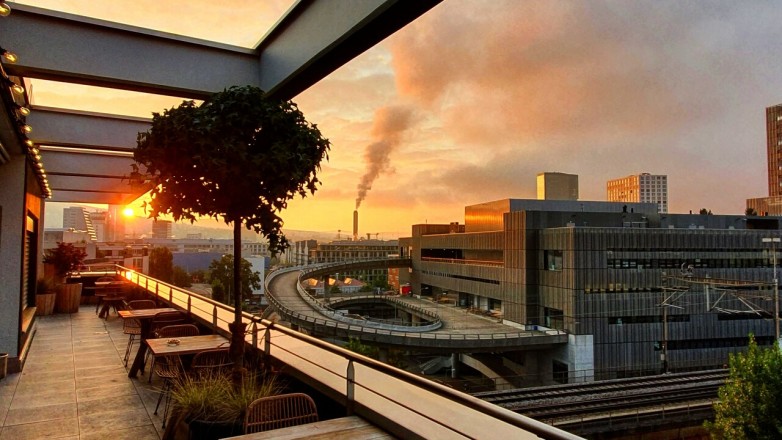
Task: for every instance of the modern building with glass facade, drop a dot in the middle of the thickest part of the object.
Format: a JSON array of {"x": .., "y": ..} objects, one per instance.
[
  {"x": 640, "y": 188},
  {"x": 611, "y": 275}
]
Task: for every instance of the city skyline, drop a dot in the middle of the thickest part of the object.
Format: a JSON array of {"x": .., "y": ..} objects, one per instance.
[{"x": 480, "y": 97}]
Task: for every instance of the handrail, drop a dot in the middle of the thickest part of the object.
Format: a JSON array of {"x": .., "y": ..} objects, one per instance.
[{"x": 274, "y": 336}]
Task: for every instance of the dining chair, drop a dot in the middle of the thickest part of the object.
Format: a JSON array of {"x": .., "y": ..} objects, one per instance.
[
  {"x": 172, "y": 331},
  {"x": 168, "y": 368},
  {"x": 132, "y": 327},
  {"x": 99, "y": 296},
  {"x": 211, "y": 361},
  {"x": 279, "y": 411}
]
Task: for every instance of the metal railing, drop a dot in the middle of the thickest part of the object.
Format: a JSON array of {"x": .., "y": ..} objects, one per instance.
[{"x": 402, "y": 403}]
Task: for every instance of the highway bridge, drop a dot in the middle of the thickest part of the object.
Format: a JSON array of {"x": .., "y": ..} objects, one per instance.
[{"x": 432, "y": 327}]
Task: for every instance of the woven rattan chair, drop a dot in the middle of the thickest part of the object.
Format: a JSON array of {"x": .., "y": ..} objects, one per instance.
[
  {"x": 281, "y": 411},
  {"x": 168, "y": 368},
  {"x": 132, "y": 327},
  {"x": 164, "y": 319},
  {"x": 211, "y": 361},
  {"x": 173, "y": 331}
]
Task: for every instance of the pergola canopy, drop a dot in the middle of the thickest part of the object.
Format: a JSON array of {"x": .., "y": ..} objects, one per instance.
[{"x": 87, "y": 155}]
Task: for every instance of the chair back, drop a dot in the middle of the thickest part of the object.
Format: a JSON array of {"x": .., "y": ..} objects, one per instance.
[
  {"x": 280, "y": 411},
  {"x": 164, "y": 319},
  {"x": 141, "y": 304},
  {"x": 211, "y": 361},
  {"x": 177, "y": 330}
]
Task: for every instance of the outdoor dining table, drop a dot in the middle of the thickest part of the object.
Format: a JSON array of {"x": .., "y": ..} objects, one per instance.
[
  {"x": 144, "y": 317},
  {"x": 187, "y": 345}
]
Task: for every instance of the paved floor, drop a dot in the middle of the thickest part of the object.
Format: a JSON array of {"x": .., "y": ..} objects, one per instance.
[{"x": 74, "y": 385}]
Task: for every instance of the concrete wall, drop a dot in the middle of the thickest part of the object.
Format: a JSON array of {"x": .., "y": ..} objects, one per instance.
[{"x": 12, "y": 224}]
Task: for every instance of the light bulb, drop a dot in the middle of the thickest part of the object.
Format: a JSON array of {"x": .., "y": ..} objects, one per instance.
[
  {"x": 16, "y": 88},
  {"x": 26, "y": 128},
  {"x": 29, "y": 143},
  {"x": 5, "y": 10},
  {"x": 10, "y": 57},
  {"x": 24, "y": 111}
]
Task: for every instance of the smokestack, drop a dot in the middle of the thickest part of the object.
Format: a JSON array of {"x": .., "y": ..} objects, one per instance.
[{"x": 355, "y": 225}]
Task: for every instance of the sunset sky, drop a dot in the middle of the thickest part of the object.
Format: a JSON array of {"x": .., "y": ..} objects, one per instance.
[{"x": 468, "y": 103}]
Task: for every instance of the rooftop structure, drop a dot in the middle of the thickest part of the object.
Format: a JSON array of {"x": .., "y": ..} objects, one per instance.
[{"x": 557, "y": 186}]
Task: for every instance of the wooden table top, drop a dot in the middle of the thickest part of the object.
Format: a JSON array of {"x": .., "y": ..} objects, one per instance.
[
  {"x": 187, "y": 344},
  {"x": 352, "y": 427},
  {"x": 143, "y": 313}
]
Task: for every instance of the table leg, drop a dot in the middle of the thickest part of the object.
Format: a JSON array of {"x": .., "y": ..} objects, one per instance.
[{"x": 138, "y": 362}]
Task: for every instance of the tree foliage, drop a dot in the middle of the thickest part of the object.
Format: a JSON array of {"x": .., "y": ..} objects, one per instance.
[
  {"x": 750, "y": 211},
  {"x": 239, "y": 156},
  {"x": 222, "y": 271},
  {"x": 750, "y": 400},
  {"x": 161, "y": 264},
  {"x": 65, "y": 257},
  {"x": 180, "y": 277}
]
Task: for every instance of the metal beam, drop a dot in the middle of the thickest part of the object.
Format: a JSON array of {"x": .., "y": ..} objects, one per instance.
[
  {"x": 92, "y": 197},
  {"x": 64, "y": 47},
  {"x": 84, "y": 129},
  {"x": 317, "y": 37},
  {"x": 86, "y": 164}
]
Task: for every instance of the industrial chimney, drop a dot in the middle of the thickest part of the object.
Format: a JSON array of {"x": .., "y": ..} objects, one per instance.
[{"x": 355, "y": 225}]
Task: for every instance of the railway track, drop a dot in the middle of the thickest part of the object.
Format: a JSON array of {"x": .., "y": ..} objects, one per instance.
[{"x": 562, "y": 401}]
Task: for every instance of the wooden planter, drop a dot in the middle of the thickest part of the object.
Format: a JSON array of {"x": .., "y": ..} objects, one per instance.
[
  {"x": 44, "y": 303},
  {"x": 68, "y": 298}
]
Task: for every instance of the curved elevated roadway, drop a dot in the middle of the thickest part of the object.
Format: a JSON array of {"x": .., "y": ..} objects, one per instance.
[{"x": 456, "y": 330}]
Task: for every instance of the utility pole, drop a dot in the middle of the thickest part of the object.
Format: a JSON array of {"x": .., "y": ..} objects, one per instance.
[{"x": 774, "y": 241}]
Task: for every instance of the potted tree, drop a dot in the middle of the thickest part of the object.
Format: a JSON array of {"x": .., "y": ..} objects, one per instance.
[
  {"x": 66, "y": 258},
  {"x": 45, "y": 294},
  {"x": 240, "y": 156}
]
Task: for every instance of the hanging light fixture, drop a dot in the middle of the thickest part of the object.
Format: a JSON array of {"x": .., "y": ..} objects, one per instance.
[{"x": 5, "y": 10}]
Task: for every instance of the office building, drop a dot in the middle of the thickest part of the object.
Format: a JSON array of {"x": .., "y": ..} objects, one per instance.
[
  {"x": 771, "y": 205},
  {"x": 557, "y": 186},
  {"x": 640, "y": 188},
  {"x": 161, "y": 229},
  {"x": 350, "y": 250},
  {"x": 597, "y": 270},
  {"x": 78, "y": 219}
]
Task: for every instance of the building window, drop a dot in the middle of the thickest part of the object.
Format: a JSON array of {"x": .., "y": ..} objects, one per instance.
[{"x": 553, "y": 259}]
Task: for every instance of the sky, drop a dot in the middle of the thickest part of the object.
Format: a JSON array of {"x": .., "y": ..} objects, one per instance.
[{"x": 472, "y": 100}]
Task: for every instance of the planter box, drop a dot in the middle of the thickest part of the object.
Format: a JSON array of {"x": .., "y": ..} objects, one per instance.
[
  {"x": 68, "y": 298},
  {"x": 44, "y": 303}
]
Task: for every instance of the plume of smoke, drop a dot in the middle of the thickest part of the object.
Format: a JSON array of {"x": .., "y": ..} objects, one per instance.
[{"x": 390, "y": 124}]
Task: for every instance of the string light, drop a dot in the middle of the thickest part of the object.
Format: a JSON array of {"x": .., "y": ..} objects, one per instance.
[
  {"x": 16, "y": 88},
  {"x": 10, "y": 56},
  {"x": 24, "y": 111},
  {"x": 5, "y": 10},
  {"x": 26, "y": 128}
]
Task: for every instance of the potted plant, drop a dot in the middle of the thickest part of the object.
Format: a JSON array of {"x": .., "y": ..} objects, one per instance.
[
  {"x": 240, "y": 156},
  {"x": 210, "y": 406},
  {"x": 45, "y": 293},
  {"x": 66, "y": 258}
]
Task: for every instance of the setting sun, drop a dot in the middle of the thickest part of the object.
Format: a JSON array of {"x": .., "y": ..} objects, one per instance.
[{"x": 128, "y": 212}]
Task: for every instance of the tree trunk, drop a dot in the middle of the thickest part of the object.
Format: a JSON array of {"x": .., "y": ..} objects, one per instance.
[{"x": 237, "y": 327}]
